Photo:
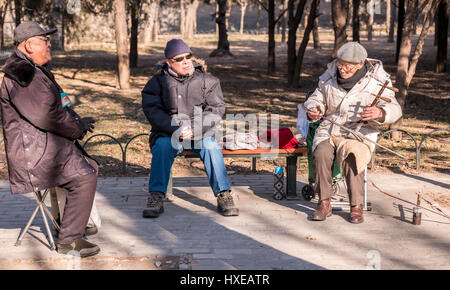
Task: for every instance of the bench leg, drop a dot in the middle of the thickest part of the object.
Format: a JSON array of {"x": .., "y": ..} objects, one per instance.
[{"x": 291, "y": 176}]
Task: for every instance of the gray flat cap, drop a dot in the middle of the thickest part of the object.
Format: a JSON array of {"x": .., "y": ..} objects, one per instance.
[
  {"x": 29, "y": 29},
  {"x": 352, "y": 52}
]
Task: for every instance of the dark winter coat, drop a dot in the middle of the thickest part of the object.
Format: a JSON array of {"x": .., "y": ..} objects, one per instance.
[
  {"x": 170, "y": 102},
  {"x": 38, "y": 132}
]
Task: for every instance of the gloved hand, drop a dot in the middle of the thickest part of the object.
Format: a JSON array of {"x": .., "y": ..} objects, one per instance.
[{"x": 87, "y": 124}]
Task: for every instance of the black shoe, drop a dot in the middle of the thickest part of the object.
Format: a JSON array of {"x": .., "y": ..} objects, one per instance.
[
  {"x": 80, "y": 247},
  {"x": 225, "y": 204},
  {"x": 154, "y": 206}
]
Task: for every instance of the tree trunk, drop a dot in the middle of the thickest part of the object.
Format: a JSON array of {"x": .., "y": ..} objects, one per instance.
[
  {"x": 135, "y": 7},
  {"x": 392, "y": 23},
  {"x": 316, "y": 36},
  {"x": 18, "y": 11},
  {"x": 258, "y": 16},
  {"x": 3, "y": 11},
  {"x": 271, "y": 42},
  {"x": 228, "y": 14},
  {"x": 182, "y": 19},
  {"x": 223, "y": 46},
  {"x": 305, "y": 40},
  {"x": 243, "y": 4},
  {"x": 400, "y": 24},
  {"x": 442, "y": 28},
  {"x": 356, "y": 23},
  {"x": 283, "y": 22},
  {"x": 388, "y": 15},
  {"x": 371, "y": 12},
  {"x": 123, "y": 61},
  {"x": 149, "y": 32},
  {"x": 295, "y": 16},
  {"x": 339, "y": 11},
  {"x": 406, "y": 68},
  {"x": 56, "y": 19},
  {"x": 191, "y": 19}
]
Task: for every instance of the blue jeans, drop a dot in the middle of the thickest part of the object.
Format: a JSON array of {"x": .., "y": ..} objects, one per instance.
[{"x": 163, "y": 155}]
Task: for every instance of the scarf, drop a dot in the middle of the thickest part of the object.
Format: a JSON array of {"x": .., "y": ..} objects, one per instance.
[{"x": 348, "y": 84}]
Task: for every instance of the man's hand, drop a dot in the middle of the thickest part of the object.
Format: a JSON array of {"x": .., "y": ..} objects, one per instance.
[
  {"x": 87, "y": 124},
  {"x": 314, "y": 114},
  {"x": 186, "y": 133},
  {"x": 372, "y": 113}
]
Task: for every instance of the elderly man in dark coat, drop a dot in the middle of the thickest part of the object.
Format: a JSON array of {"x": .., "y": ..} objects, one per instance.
[
  {"x": 40, "y": 133},
  {"x": 184, "y": 104}
]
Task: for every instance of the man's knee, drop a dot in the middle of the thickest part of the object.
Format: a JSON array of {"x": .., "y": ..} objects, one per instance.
[
  {"x": 209, "y": 143},
  {"x": 324, "y": 152}
]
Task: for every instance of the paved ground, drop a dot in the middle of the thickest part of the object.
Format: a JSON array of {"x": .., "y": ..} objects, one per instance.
[{"x": 268, "y": 234}]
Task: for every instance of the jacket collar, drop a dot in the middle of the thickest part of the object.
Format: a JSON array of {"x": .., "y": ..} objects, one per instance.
[{"x": 20, "y": 68}]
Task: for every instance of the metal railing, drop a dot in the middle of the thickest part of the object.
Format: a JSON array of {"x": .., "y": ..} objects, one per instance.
[{"x": 418, "y": 147}]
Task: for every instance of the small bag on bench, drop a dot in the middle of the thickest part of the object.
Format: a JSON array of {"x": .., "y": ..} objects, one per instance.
[{"x": 239, "y": 141}]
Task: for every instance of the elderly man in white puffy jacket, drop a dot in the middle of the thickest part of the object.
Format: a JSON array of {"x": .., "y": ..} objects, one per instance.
[{"x": 345, "y": 94}]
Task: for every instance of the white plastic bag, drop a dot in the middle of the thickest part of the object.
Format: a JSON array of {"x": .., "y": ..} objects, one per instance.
[{"x": 302, "y": 121}]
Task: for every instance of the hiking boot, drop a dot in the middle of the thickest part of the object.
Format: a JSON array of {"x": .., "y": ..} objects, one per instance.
[
  {"x": 154, "y": 206},
  {"x": 323, "y": 210},
  {"x": 225, "y": 204},
  {"x": 80, "y": 247}
]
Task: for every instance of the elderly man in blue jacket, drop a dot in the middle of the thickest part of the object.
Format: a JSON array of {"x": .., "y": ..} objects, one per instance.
[{"x": 183, "y": 105}]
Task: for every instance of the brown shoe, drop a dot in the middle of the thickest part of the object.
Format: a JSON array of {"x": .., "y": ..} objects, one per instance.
[
  {"x": 356, "y": 214},
  {"x": 323, "y": 210}
]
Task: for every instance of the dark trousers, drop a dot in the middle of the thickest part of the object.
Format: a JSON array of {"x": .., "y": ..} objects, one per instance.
[
  {"x": 80, "y": 197},
  {"x": 323, "y": 158}
]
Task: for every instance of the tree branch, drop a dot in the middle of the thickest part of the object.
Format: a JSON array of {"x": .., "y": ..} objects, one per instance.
[{"x": 263, "y": 6}]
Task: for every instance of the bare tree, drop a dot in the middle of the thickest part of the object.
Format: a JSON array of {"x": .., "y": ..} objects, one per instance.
[
  {"x": 135, "y": 9},
  {"x": 316, "y": 37},
  {"x": 400, "y": 24},
  {"x": 150, "y": 21},
  {"x": 355, "y": 20},
  {"x": 407, "y": 63},
  {"x": 371, "y": 11},
  {"x": 270, "y": 8},
  {"x": 188, "y": 17},
  {"x": 392, "y": 22},
  {"x": 243, "y": 4},
  {"x": 388, "y": 15},
  {"x": 18, "y": 5},
  {"x": 123, "y": 61},
  {"x": 223, "y": 46},
  {"x": 301, "y": 50},
  {"x": 295, "y": 13},
  {"x": 339, "y": 12},
  {"x": 3, "y": 10},
  {"x": 442, "y": 34},
  {"x": 228, "y": 13}
]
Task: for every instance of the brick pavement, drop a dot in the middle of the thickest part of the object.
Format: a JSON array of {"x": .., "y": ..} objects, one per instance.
[{"x": 268, "y": 234}]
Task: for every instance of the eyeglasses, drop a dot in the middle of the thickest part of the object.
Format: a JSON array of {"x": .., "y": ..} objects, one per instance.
[
  {"x": 44, "y": 38},
  {"x": 181, "y": 58},
  {"x": 347, "y": 66}
]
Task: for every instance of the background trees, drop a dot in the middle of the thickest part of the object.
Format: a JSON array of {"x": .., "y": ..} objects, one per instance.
[{"x": 132, "y": 23}]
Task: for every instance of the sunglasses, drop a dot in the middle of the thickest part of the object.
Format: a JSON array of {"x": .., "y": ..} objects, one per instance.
[{"x": 181, "y": 58}]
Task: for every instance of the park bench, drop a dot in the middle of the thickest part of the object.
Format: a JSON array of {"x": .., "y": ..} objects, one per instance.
[{"x": 291, "y": 156}]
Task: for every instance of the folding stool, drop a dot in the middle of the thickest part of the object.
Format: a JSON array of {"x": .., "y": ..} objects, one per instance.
[{"x": 40, "y": 199}]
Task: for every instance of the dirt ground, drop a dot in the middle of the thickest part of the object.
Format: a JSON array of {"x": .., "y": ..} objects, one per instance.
[{"x": 86, "y": 71}]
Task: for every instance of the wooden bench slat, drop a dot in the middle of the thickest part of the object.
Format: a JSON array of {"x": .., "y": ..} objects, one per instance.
[{"x": 299, "y": 150}]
